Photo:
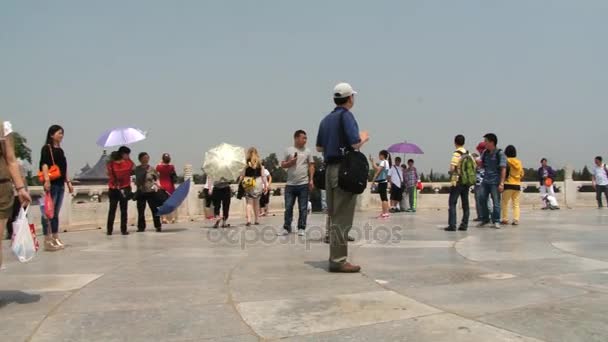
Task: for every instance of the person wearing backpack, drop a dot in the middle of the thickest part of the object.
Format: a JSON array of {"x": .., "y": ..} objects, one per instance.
[
  {"x": 337, "y": 137},
  {"x": 600, "y": 181},
  {"x": 512, "y": 192},
  {"x": 461, "y": 177},
  {"x": 494, "y": 162}
]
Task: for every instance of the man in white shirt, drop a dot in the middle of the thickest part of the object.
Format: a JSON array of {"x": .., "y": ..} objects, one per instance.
[
  {"x": 600, "y": 180},
  {"x": 395, "y": 177}
]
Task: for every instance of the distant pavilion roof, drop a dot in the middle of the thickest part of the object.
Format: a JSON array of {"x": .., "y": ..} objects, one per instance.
[{"x": 95, "y": 173}]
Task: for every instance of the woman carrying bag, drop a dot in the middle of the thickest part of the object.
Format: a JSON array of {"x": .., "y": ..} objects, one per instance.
[
  {"x": 9, "y": 177},
  {"x": 53, "y": 174}
]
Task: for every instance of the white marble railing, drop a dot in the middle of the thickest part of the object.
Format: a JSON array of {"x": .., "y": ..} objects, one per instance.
[{"x": 88, "y": 206}]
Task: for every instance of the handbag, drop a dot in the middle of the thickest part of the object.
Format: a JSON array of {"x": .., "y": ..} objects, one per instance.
[
  {"x": 49, "y": 206},
  {"x": 354, "y": 168},
  {"x": 24, "y": 243},
  {"x": 54, "y": 171},
  {"x": 249, "y": 184}
]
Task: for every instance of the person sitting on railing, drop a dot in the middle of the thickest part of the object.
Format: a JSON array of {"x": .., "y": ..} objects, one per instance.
[{"x": 546, "y": 177}]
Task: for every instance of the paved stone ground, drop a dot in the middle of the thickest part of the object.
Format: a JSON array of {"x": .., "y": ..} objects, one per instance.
[{"x": 544, "y": 280}]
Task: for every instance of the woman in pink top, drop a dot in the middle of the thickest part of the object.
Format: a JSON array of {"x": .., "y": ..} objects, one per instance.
[{"x": 167, "y": 178}]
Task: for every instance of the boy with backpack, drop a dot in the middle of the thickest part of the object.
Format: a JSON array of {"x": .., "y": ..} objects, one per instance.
[
  {"x": 494, "y": 162},
  {"x": 463, "y": 176}
]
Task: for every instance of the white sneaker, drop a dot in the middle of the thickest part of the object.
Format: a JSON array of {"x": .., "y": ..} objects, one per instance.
[
  {"x": 301, "y": 232},
  {"x": 497, "y": 225},
  {"x": 283, "y": 232}
]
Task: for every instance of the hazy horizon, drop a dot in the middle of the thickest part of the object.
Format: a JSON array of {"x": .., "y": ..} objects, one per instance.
[{"x": 195, "y": 74}]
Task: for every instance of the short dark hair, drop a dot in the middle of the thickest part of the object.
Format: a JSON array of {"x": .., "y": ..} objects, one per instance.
[
  {"x": 298, "y": 133},
  {"x": 510, "y": 151},
  {"x": 599, "y": 158},
  {"x": 124, "y": 149},
  {"x": 459, "y": 140},
  {"x": 491, "y": 137},
  {"x": 142, "y": 155},
  {"x": 115, "y": 156},
  {"x": 397, "y": 160},
  {"x": 410, "y": 161},
  {"x": 543, "y": 160},
  {"x": 341, "y": 100},
  {"x": 166, "y": 158}
]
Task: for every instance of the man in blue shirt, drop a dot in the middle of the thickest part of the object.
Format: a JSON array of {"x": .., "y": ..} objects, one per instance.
[
  {"x": 494, "y": 162},
  {"x": 339, "y": 130}
]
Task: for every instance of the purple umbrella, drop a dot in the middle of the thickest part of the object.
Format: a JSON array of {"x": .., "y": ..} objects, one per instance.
[{"x": 405, "y": 147}]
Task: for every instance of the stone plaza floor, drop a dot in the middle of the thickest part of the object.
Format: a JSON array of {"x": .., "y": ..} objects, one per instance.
[{"x": 545, "y": 280}]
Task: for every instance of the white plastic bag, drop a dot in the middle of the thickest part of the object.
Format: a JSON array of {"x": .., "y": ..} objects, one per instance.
[{"x": 24, "y": 244}]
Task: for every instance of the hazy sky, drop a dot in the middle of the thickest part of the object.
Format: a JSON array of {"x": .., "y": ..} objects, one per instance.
[{"x": 197, "y": 73}]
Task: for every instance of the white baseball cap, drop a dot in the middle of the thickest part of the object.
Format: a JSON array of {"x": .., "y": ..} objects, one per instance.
[{"x": 342, "y": 90}]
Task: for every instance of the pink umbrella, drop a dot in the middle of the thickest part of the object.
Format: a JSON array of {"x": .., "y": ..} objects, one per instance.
[{"x": 405, "y": 147}]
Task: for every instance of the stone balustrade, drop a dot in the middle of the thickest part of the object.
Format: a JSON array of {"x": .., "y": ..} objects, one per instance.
[{"x": 88, "y": 207}]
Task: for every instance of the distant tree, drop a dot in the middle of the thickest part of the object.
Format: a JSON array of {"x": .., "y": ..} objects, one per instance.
[
  {"x": 560, "y": 175},
  {"x": 530, "y": 175},
  {"x": 271, "y": 163},
  {"x": 585, "y": 174},
  {"x": 423, "y": 177},
  {"x": 22, "y": 151}
]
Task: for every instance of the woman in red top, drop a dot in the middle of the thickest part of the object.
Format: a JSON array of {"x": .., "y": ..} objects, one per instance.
[
  {"x": 167, "y": 178},
  {"x": 120, "y": 169}
]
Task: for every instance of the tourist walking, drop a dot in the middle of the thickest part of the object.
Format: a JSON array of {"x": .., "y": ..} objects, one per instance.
[
  {"x": 119, "y": 170},
  {"x": 494, "y": 162},
  {"x": 16, "y": 200},
  {"x": 265, "y": 198},
  {"x": 254, "y": 185},
  {"x": 460, "y": 166},
  {"x": 221, "y": 195},
  {"x": 11, "y": 179},
  {"x": 300, "y": 172},
  {"x": 381, "y": 179},
  {"x": 168, "y": 178},
  {"x": 546, "y": 177},
  {"x": 411, "y": 186},
  {"x": 512, "y": 189},
  {"x": 395, "y": 177},
  {"x": 339, "y": 131},
  {"x": 600, "y": 180},
  {"x": 54, "y": 168},
  {"x": 148, "y": 185}
]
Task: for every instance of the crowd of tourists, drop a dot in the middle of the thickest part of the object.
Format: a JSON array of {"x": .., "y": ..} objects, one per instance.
[{"x": 493, "y": 174}]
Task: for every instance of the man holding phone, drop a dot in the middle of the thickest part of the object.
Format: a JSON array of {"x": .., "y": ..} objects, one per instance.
[{"x": 300, "y": 171}]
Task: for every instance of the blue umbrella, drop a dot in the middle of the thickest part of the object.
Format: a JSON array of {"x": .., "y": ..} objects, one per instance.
[{"x": 175, "y": 200}]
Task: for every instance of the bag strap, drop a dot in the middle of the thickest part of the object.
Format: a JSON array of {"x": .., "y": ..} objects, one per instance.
[
  {"x": 343, "y": 137},
  {"x": 400, "y": 179},
  {"x": 51, "y": 152}
]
